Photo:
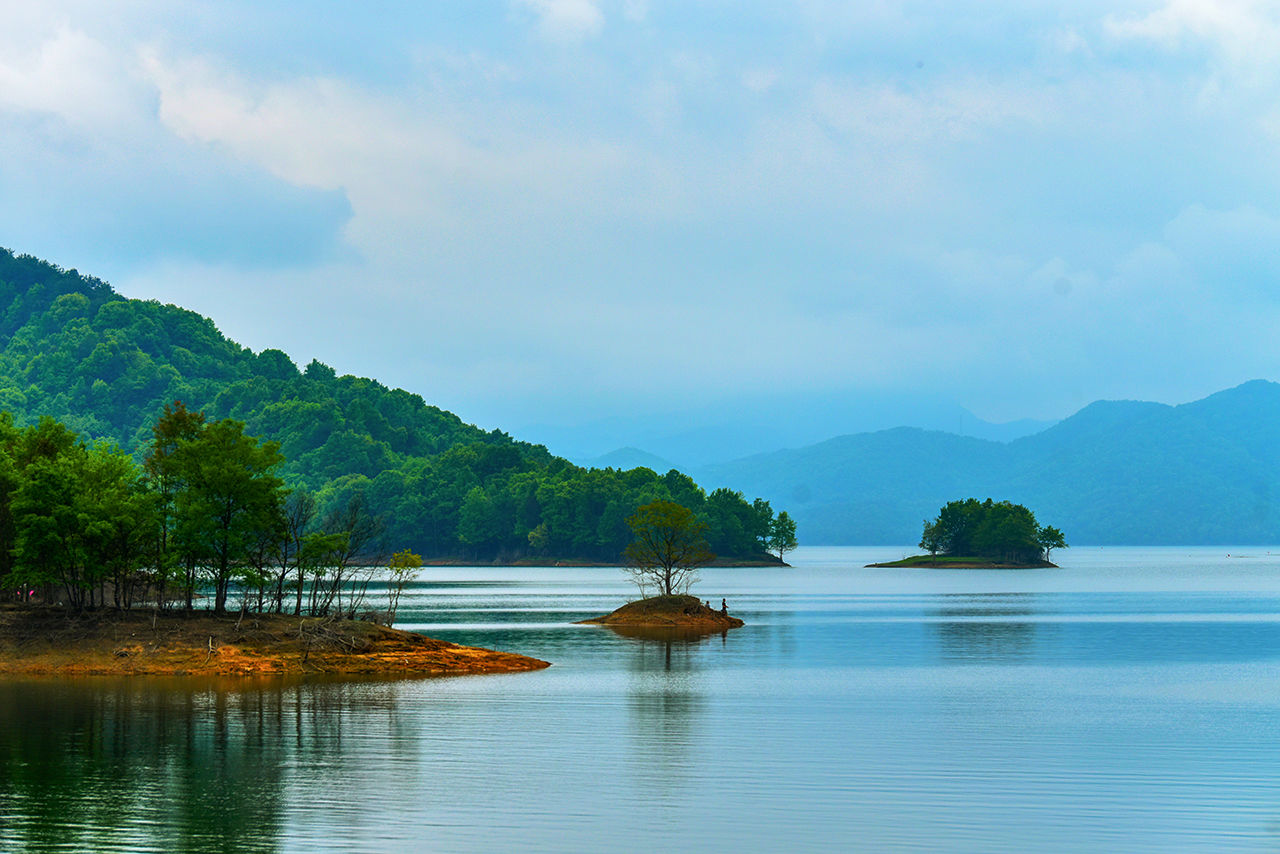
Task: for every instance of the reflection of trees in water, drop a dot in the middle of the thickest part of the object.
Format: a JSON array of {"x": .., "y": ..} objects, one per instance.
[
  {"x": 666, "y": 700},
  {"x": 108, "y": 765},
  {"x": 982, "y": 626}
]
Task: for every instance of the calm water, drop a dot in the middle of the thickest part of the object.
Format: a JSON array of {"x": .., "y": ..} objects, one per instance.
[{"x": 1129, "y": 701}]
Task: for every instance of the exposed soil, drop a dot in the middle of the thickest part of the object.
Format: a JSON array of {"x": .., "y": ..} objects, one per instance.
[
  {"x": 49, "y": 641},
  {"x": 684, "y": 612}
]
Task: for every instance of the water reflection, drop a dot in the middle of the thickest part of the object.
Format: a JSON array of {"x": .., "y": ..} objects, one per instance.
[
  {"x": 153, "y": 765},
  {"x": 666, "y": 700},
  {"x": 984, "y": 627},
  {"x": 667, "y": 635}
]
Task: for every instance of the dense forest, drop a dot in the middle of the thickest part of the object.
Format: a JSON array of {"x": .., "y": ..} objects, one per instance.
[
  {"x": 106, "y": 366},
  {"x": 997, "y": 530}
]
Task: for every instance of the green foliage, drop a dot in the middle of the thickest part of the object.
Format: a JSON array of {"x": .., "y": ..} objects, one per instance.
[
  {"x": 229, "y": 496},
  {"x": 105, "y": 366},
  {"x": 1050, "y": 538},
  {"x": 997, "y": 530},
  {"x": 85, "y": 525},
  {"x": 669, "y": 545},
  {"x": 782, "y": 534},
  {"x": 404, "y": 567},
  {"x": 78, "y": 518}
]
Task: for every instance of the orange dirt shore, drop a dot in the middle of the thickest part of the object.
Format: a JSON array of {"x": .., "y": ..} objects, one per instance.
[{"x": 48, "y": 641}]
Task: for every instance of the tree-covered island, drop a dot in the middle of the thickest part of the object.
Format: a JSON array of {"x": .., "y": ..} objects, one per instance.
[{"x": 984, "y": 534}]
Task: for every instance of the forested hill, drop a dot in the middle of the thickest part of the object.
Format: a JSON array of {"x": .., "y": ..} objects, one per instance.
[
  {"x": 105, "y": 365},
  {"x": 1117, "y": 472}
]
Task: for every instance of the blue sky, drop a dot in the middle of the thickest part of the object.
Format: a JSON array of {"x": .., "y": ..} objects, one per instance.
[{"x": 551, "y": 210}]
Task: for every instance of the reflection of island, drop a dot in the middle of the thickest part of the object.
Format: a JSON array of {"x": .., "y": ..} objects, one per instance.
[
  {"x": 72, "y": 752},
  {"x": 193, "y": 765},
  {"x": 665, "y": 634},
  {"x": 985, "y": 628},
  {"x": 666, "y": 702}
]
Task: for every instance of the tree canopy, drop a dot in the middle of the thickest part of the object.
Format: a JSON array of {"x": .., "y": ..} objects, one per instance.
[
  {"x": 990, "y": 529},
  {"x": 669, "y": 545},
  {"x": 782, "y": 534},
  {"x": 84, "y": 525}
]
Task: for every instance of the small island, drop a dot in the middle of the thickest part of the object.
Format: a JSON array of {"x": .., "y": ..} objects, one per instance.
[
  {"x": 669, "y": 612},
  {"x": 974, "y": 534},
  {"x": 45, "y": 641},
  {"x": 962, "y": 562},
  {"x": 668, "y": 548}
]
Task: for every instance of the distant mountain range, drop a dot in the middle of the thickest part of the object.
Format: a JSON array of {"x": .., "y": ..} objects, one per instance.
[
  {"x": 742, "y": 426},
  {"x": 1116, "y": 472}
]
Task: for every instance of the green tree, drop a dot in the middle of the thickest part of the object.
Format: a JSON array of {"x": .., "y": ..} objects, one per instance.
[
  {"x": 82, "y": 518},
  {"x": 1007, "y": 531},
  {"x": 404, "y": 567},
  {"x": 931, "y": 538},
  {"x": 782, "y": 534},
  {"x": 670, "y": 544},
  {"x": 1050, "y": 538},
  {"x": 178, "y": 424},
  {"x": 48, "y": 546},
  {"x": 479, "y": 522},
  {"x": 118, "y": 521},
  {"x": 997, "y": 530},
  {"x": 538, "y": 538},
  {"x": 229, "y": 494}
]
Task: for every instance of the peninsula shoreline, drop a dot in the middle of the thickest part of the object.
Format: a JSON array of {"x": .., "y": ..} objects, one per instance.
[{"x": 51, "y": 641}]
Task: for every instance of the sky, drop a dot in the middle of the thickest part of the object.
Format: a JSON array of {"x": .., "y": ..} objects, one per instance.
[{"x": 537, "y": 211}]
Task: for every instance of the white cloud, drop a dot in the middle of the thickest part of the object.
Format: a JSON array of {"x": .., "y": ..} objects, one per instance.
[
  {"x": 527, "y": 216},
  {"x": 1246, "y": 33},
  {"x": 75, "y": 77},
  {"x": 951, "y": 110},
  {"x": 567, "y": 20},
  {"x": 418, "y": 173}
]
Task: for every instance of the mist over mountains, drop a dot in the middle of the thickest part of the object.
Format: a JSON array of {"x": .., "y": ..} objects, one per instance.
[
  {"x": 1116, "y": 472},
  {"x": 742, "y": 426}
]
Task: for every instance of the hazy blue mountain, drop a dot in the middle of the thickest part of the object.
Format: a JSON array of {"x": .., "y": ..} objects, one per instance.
[
  {"x": 743, "y": 426},
  {"x": 1116, "y": 472}
]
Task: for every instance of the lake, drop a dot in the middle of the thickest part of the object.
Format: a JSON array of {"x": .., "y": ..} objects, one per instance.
[{"x": 1127, "y": 701}]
